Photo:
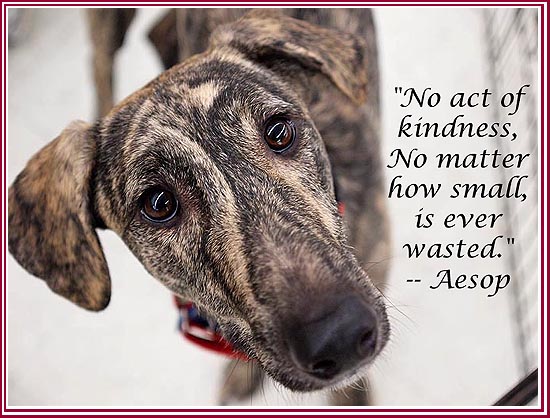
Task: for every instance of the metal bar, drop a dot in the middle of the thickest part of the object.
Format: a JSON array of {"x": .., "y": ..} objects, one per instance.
[{"x": 523, "y": 393}]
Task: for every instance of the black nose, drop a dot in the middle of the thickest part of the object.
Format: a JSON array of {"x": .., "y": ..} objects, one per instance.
[{"x": 343, "y": 336}]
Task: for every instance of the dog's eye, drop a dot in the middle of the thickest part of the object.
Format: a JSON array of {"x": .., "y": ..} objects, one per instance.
[
  {"x": 279, "y": 133},
  {"x": 158, "y": 205}
]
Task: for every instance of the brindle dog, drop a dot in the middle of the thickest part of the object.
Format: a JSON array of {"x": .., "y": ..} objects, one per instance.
[{"x": 219, "y": 176}]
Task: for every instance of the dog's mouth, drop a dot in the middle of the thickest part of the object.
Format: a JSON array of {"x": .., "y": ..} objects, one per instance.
[{"x": 330, "y": 351}]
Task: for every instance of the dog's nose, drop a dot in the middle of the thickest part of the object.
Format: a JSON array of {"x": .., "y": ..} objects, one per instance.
[{"x": 337, "y": 341}]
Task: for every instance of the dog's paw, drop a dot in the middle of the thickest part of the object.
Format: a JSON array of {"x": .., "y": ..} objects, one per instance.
[{"x": 241, "y": 381}]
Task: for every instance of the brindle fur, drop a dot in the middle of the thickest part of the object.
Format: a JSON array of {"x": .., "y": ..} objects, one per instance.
[
  {"x": 259, "y": 234},
  {"x": 107, "y": 31}
]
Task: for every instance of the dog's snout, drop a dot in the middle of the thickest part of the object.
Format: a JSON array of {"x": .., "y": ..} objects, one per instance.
[{"x": 337, "y": 341}]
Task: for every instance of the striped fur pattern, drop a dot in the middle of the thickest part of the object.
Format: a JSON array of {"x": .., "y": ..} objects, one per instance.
[{"x": 258, "y": 238}]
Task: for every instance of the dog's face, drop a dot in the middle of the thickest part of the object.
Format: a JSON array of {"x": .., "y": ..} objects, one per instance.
[{"x": 216, "y": 178}]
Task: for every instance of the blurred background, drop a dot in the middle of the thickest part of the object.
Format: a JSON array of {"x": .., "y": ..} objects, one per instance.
[{"x": 448, "y": 348}]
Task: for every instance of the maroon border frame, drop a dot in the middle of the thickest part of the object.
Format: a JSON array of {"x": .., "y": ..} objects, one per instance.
[{"x": 292, "y": 411}]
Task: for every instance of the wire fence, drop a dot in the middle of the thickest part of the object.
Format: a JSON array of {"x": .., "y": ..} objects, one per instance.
[{"x": 512, "y": 53}]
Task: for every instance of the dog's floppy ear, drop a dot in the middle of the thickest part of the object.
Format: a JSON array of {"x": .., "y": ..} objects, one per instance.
[
  {"x": 338, "y": 55},
  {"x": 51, "y": 232}
]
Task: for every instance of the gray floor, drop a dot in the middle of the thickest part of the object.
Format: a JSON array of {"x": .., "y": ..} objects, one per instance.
[{"x": 447, "y": 348}]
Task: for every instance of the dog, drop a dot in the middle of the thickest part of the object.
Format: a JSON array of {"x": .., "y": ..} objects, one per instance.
[{"x": 220, "y": 177}]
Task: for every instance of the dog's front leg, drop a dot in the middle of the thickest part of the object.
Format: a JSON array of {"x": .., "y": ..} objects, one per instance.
[
  {"x": 241, "y": 380},
  {"x": 357, "y": 395}
]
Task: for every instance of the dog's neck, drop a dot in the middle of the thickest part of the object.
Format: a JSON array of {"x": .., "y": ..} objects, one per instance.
[{"x": 204, "y": 332}]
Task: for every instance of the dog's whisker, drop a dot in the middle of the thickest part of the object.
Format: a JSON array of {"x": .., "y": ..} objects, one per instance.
[
  {"x": 391, "y": 303},
  {"x": 409, "y": 325},
  {"x": 369, "y": 265},
  {"x": 228, "y": 376},
  {"x": 250, "y": 380},
  {"x": 262, "y": 389}
]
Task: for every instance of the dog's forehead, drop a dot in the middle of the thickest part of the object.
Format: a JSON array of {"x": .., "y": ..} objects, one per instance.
[
  {"x": 222, "y": 79},
  {"x": 211, "y": 102},
  {"x": 204, "y": 94}
]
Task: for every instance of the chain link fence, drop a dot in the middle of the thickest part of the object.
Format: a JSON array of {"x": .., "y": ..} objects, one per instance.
[{"x": 512, "y": 53}]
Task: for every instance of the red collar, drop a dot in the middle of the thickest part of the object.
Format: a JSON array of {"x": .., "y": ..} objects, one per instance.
[{"x": 205, "y": 333}]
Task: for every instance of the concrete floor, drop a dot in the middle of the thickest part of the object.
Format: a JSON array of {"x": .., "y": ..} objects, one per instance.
[{"x": 447, "y": 348}]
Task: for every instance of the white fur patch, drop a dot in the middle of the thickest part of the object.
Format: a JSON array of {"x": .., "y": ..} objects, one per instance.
[{"x": 204, "y": 94}]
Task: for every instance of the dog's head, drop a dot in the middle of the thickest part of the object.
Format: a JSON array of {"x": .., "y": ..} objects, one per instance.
[{"x": 216, "y": 178}]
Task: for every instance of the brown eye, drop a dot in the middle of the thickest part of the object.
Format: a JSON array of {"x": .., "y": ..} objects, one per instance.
[
  {"x": 279, "y": 134},
  {"x": 158, "y": 205}
]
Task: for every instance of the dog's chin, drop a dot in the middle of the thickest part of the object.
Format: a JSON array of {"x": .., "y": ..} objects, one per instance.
[
  {"x": 287, "y": 374},
  {"x": 277, "y": 363},
  {"x": 280, "y": 368},
  {"x": 296, "y": 380}
]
